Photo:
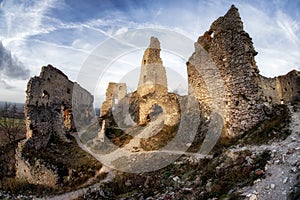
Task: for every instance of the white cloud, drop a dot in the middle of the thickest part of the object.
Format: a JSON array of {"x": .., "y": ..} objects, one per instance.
[
  {"x": 289, "y": 27},
  {"x": 67, "y": 44},
  {"x": 25, "y": 19}
]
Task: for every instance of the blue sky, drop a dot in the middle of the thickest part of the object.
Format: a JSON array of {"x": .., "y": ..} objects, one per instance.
[{"x": 65, "y": 33}]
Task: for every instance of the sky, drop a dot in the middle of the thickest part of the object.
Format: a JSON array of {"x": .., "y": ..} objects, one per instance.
[{"x": 67, "y": 34}]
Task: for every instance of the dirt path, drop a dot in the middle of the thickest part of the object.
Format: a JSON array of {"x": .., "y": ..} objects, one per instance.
[{"x": 281, "y": 171}]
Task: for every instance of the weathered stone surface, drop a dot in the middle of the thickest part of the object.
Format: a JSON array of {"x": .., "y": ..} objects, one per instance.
[
  {"x": 114, "y": 93},
  {"x": 169, "y": 104},
  {"x": 36, "y": 173},
  {"x": 153, "y": 78},
  {"x": 222, "y": 70},
  {"x": 153, "y": 89},
  {"x": 53, "y": 105},
  {"x": 51, "y": 102},
  {"x": 231, "y": 50},
  {"x": 286, "y": 88}
]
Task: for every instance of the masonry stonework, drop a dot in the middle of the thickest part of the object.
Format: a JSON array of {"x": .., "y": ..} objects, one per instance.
[
  {"x": 285, "y": 89},
  {"x": 153, "y": 89},
  {"x": 153, "y": 76},
  {"x": 115, "y": 92},
  {"x": 53, "y": 104},
  {"x": 48, "y": 107},
  {"x": 232, "y": 52}
]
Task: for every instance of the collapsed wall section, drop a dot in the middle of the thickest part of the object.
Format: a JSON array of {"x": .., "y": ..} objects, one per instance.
[
  {"x": 115, "y": 92},
  {"x": 49, "y": 109}
]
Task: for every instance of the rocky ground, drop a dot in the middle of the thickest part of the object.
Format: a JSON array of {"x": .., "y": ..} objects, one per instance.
[
  {"x": 282, "y": 170},
  {"x": 239, "y": 170}
]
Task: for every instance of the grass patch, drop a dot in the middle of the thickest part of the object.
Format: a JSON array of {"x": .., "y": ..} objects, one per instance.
[
  {"x": 74, "y": 165},
  {"x": 273, "y": 128},
  {"x": 231, "y": 175},
  {"x": 18, "y": 186}
]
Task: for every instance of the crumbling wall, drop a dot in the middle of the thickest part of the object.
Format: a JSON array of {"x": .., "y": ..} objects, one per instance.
[
  {"x": 169, "y": 104},
  {"x": 115, "y": 92},
  {"x": 48, "y": 107},
  {"x": 153, "y": 90},
  {"x": 231, "y": 49},
  {"x": 153, "y": 78},
  {"x": 284, "y": 88},
  {"x": 53, "y": 105}
]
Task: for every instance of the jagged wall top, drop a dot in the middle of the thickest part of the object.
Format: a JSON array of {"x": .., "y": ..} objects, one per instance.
[
  {"x": 152, "y": 53},
  {"x": 53, "y": 102},
  {"x": 230, "y": 21},
  {"x": 153, "y": 78},
  {"x": 231, "y": 51}
]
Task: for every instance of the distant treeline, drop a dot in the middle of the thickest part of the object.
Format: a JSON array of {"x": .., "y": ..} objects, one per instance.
[
  {"x": 20, "y": 109},
  {"x": 20, "y": 106}
]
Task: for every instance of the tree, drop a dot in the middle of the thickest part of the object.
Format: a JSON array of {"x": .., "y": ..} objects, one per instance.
[{"x": 10, "y": 125}]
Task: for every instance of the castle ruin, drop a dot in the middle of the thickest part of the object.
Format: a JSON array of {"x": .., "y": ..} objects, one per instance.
[
  {"x": 114, "y": 93},
  {"x": 240, "y": 91},
  {"x": 53, "y": 104},
  {"x": 49, "y": 109},
  {"x": 282, "y": 89},
  {"x": 153, "y": 78},
  {"x": 152, "y": 92},
  {"x": 246, "y": 91}
]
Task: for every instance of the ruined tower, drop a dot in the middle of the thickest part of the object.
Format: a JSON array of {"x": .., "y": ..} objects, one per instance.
[
  {"x": 114, "y": 93},
  {"x": 231, "y": 50},
  {"x": 153, "y": 77}
]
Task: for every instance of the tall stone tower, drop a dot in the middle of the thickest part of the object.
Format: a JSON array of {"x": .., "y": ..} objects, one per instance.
[
  {"x": 231, "y": 50},
  {"x": 153, "y": 77}
]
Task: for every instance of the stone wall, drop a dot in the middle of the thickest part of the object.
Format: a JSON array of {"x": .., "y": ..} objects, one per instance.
[
  {"x": 51, "y": 104},
  {"x": 286, "y": 88},
  {"x": 54, "y": 105},
  {"x": 231, "y": 50},
  {"x": 153, "y": 76},
  {"x": 152, "y": 91},
  {"x": 222, "y": 73},
  {"x": 115, "y": 92},
  {"x": 169, "y": 104}
]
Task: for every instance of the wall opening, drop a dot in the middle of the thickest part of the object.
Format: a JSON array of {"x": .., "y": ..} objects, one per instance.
[
  {"x": 210, "y": 35},
  {"x": 155, "y": 111},
  {"x": 45, "y": 94}
]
